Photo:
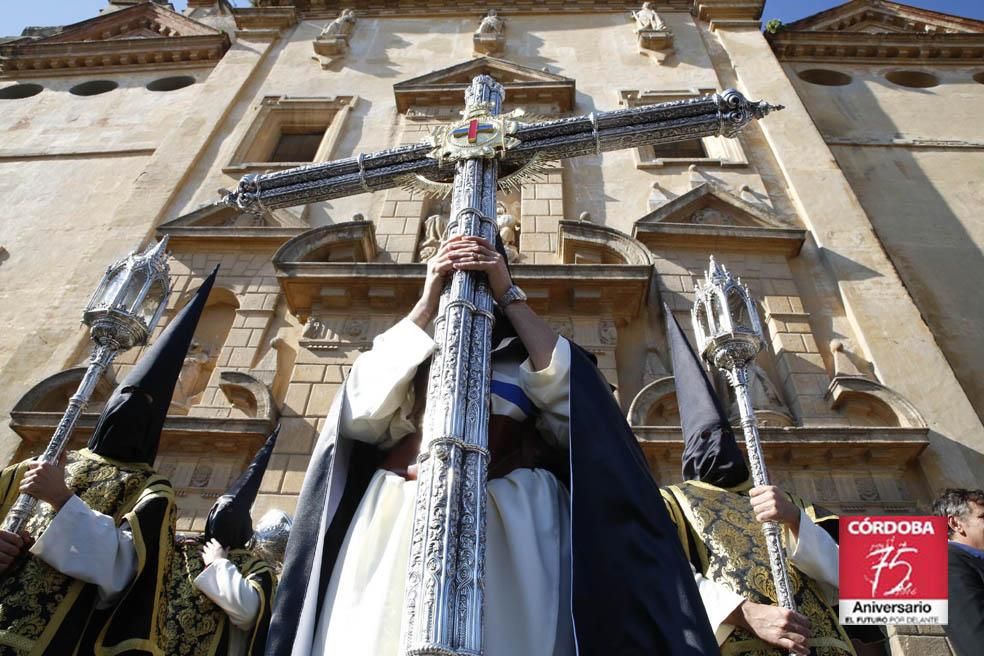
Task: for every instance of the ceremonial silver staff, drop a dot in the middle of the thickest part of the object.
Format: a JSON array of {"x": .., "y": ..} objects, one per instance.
[
  {"x": 729, "y": 336},
  {"x": 121, "y": 314},
  {"x": 445, "y": 576}
]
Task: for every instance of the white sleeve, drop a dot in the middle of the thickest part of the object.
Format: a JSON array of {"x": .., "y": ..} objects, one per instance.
[
  {"x": 719, "y": 602},
  {"x": 379, "y": 391},
  {"x": 815, "y": 554},
  {"x": 222, "y": 583},
  {"x": 87, "y": 545},
  {"x": 549, "y": 390}
]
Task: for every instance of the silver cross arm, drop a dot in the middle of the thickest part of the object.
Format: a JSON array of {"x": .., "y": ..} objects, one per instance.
[{"x": 717, "y": 114}]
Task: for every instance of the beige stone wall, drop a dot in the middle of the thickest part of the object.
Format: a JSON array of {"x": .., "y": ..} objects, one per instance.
[
  {"x": 891, "y": 330},
  {"x": 914, "y": 157}
]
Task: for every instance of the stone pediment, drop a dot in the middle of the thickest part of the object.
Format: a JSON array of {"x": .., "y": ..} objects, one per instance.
[
  {"x": 524, "y": 85},
  {"x": 144, "y": 35},
  {"x": 710, "y": 216},
  {"x": 880, "y": 31},
  {"x": 217, "y": 222},
  {"x": 879, "y": 17}
]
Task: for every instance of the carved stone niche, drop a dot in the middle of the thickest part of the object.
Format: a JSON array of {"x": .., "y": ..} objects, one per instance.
[
  {"x": 656, "y": 404},
  {"x": 52, "y": 393},
  {"x": 582, "y": 242},
  {"x": 352, "y": 241},
  {"x": 38, "y": 412},
  {"x": 855, "y": 393}
]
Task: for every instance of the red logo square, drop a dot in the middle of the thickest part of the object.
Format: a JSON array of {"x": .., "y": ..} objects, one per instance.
[{"x": 891, "y": 558}]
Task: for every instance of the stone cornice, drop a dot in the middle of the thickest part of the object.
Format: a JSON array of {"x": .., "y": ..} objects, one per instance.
[
  {"x": 711, "y": 237},
  {"x": 725, "y": 13},
  {"x": 220, "y": 236},
  {"x": 77, "y": 58},
  {"x": 318, "y": 9},
  {"x": 552, "y": 289},
  {"x": 890, "y": 15},
  {"x": 265, "y": 18},
  {"x": 523, "y": 85},
  {"x": 144, "y": 36},
  {"x": 181, "y": 433},
  {"x": 889, "y": 48},
  {"x": 798, "y": 446}
]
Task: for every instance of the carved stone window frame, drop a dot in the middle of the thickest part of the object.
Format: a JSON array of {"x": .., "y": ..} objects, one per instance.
[
  {"x": 720, "y": 151},
  {"x": 274, "y": 113}
]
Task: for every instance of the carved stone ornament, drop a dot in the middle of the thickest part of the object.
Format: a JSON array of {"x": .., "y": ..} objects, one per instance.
[
  {"x": 608, "y": 332},
  {"x": 490, "y": 37},
  {"x": 711, "y": 216},
  {"x": 332, "y": 334},
  {"x": 435, "y": 226},
  {"x": 651, "y": 31},
  {"x": 334, "y": 38},
  {"x": 509, "y": 228},
  {"x": 563, "y": 327}
]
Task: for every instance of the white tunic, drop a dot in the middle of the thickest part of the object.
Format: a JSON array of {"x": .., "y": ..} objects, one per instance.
[
  {"x": 527, "y": 607},
  {"x": 814, "y": 553},
  {"x": 222, "y": 582},
  {"x": 89, "y": 546}
]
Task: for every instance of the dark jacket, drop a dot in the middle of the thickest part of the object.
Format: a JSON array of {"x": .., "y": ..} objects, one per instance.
[{"x": 966, "y": 607}]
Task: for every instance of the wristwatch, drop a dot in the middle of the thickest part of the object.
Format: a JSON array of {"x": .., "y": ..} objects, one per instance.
[{"x": 513, "y": 294}]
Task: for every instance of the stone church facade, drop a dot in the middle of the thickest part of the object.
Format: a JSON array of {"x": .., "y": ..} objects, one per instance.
[{"x": 850, "y": 215}]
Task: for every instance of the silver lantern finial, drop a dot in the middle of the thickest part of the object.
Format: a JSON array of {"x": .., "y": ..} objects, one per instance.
[
  {"x": 725, "y": 320},
  {"x": 121, "y": 314},
  {"x": 729, "y": 336},
  {"x": 129, "y": 300}
]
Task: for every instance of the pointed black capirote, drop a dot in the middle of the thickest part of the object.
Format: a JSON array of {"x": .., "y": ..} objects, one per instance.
[
  {"x": 710, "y": 451},
  {"x": 229, "y": 520},
  {"x": 129, "y": 427}
]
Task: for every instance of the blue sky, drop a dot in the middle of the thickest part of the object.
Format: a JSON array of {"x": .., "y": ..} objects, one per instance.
[{"x": 15, "y": 16}]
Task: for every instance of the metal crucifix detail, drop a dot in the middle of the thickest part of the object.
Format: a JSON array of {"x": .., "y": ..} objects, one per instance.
[{"x": 445, "y": 586}]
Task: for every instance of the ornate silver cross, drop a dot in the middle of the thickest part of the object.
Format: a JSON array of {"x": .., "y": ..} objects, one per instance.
[{"x": 445, "y": 579}]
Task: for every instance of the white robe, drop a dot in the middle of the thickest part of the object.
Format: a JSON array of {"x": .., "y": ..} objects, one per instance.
[
  {"x": 222, "y": 582},
  {"x": 814, "y": 553},
  {"x": 89, "y": 546},
  {"x": 527, "y": 583}
]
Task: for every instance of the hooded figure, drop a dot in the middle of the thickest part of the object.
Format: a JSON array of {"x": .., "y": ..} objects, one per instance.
[
  {"x": 130, "y": 425},
  {"x": 713, "y": 503},
  {"x": 710, "y": 452},
  {"x": 219, "y": 592},
  {"x": 581, "y": 556},
  {"x": 94, "y": 569}
]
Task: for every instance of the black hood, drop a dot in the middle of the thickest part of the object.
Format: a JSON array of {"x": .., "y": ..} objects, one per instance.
[
  {"x": 229, "y": 520},
  {"x": 129, "y": 427},
  {"x": 710, "y": 452}
]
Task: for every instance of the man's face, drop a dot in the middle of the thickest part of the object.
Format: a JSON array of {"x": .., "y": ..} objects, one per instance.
[{"x": 969, "y": 529}]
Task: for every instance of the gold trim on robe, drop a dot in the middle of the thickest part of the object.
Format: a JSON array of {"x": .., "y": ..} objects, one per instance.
[
  {"x": 725, "y": 543},
  {"x": 195, "y": 625},
  {"x": 43, "y": 611}
]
